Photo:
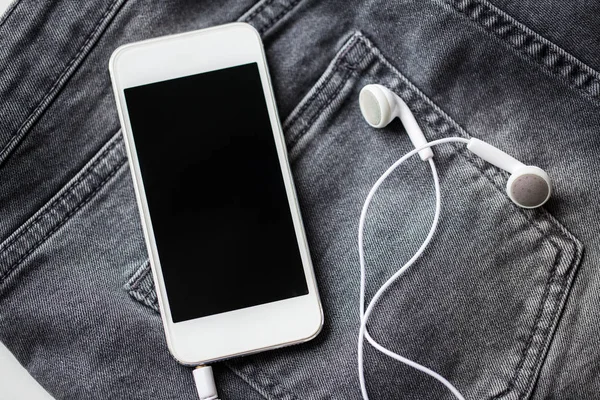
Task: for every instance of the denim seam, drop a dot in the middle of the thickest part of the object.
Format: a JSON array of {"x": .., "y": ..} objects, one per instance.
[
  {"x": 351, "y": 43},
  {"x": 33, "y": 223},
  {"x": 152, "y": 302},
  {"x": 144, "y": 299},
  {"x": 50, "y": 207},
  {"x": 548, "y": 233},
  {"x": 142, "y": 273},
  {"x": 310, "y": 100},
  {"x": 62, "y": 221},
  {"x": 62, "y": 78},
  {"x": 138, "y": 275},
  {"x": 559, "y": 305},
  {"x": 533, "y": 222},
  {"x": 343, "y": 79},
  {"x": 552, "y": 58},
  {"x": 536, "y": 326},
  {"x": 259, "y": 8},
  {"x": 348, "y": 70},
  {"x": 267, "y": 23},
  {"x": 272, "y": 21},
  {"x": 145, "y": 295},
  {"x": 334, "y": 72},
  {"x": 550, "y": 328},
  {"x": 146, "y": 292}
]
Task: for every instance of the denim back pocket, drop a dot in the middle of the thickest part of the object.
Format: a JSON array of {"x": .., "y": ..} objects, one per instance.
[{"x": 479, "y": 307}]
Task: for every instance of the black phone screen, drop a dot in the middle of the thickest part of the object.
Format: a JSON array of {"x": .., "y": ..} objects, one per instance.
[{"x": 215, "y": 192}]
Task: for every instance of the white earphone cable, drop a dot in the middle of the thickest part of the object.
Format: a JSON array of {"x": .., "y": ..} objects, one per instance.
[{"x": 364, "y": 315}]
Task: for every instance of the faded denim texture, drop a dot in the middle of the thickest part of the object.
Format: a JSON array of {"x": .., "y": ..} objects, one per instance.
[{"x": 504, "y": 302}]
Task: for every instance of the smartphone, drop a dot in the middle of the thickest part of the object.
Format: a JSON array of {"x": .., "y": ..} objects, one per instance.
[{"x": 219, "y": 211}]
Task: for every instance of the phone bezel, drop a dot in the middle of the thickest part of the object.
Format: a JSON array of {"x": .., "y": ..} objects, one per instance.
[{"x": 246, "y": 330}]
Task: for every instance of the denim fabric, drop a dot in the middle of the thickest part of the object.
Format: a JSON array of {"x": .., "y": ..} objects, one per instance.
[{"x": 504, "y": 303}]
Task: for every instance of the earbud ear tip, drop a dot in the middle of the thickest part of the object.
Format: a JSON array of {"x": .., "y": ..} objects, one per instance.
[
  {"x": 374, "y": 106},
  {"x": 529, "y": 187}
]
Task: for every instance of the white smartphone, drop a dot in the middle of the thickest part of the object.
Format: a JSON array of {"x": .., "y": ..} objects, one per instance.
[{"x": 215, "y": 192}]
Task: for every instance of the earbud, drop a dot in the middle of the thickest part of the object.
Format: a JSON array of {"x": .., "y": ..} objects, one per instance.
[
  {"x": 379, "y": 106},
  {"x": 527, "y": 187}
]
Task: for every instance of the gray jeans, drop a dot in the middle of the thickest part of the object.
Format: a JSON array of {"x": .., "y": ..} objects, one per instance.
[{"x": 503, "y": 303}]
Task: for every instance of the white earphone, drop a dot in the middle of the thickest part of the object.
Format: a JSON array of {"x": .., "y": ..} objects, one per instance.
[
  {"x": 527, "y": 187},
  {"x": 379, "y": 106}
]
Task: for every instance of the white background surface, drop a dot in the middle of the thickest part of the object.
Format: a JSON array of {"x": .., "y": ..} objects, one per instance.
[{"x": 15, "y": 382}]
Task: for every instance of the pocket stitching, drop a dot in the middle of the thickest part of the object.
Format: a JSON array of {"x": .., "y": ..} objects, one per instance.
[
  {"x": 296, "y": 137},
  {"x": 333, "y": 72},
  {"x": 257, "y": 10},
  {"x": 72, "y": 66},
  {"x": 334, "y": 95},
  {"x": 546, "y": 232},
  {"x": 134, "y": 286},
  {"x": 533, "y": 331},
  {"x": 72, "y": 208},
  {"x": 589, "y": 86},
  {"x": 268, "y": 23},
  {"x": 60, "y": 222},
  {"x": 141, "y": 273},
  {"x": 31, "y": 224}
]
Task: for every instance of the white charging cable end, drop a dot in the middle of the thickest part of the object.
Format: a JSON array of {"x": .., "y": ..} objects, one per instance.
[{"x": 205, "y": 383}]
